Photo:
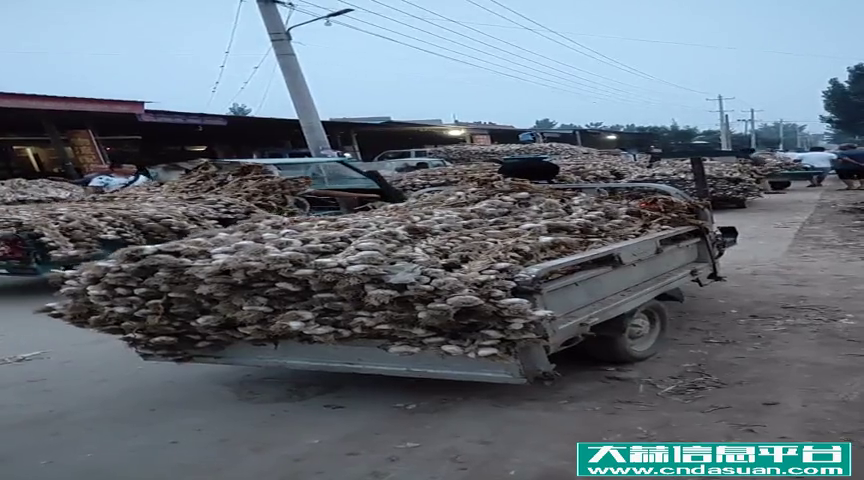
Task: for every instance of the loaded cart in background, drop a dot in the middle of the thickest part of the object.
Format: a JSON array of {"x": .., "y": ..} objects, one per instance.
[{"x": 37, "y": 238}]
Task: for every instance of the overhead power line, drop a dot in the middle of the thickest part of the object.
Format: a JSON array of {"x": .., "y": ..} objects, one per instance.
[
  {"x": 568, "y": 76},
  {"x": 506, "y": 59},
  {"x": 643, "y": 40},
  {"x": 227, "y": 52},
  {"x": 267, "y": 88},
  {"x": 261, "y": 62},
  {"x": 441, "y": 55},
  {"x": 593, "y": 53},
  {"x": 516, "y": 74}
]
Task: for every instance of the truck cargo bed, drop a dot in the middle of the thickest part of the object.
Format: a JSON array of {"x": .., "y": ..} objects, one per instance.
[{"x": 583, "y": 290}]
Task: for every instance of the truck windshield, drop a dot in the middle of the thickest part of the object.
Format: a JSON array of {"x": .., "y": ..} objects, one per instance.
[{"x": 327, "y": 175}]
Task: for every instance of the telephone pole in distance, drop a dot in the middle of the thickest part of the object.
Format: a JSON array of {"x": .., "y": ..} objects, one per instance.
[{"x": 725, "y": 135}]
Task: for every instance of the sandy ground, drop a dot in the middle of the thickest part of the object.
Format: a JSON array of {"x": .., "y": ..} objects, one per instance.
[{"x": 773, "y": 354}]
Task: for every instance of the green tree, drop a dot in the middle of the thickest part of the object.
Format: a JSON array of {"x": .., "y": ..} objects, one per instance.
[
  {"x": 838, "y": 137},
  {"x": 239, "y": 109},
  {"x": 569, "y": 126},
  {"x": 844, "y": 102},
  {"x": 545, "y": 124}
]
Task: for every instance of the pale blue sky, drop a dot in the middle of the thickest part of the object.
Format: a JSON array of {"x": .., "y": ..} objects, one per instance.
[{"x": 169, "y": 51}]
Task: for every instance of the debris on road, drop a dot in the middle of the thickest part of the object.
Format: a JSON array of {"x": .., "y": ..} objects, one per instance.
[
  {"x": 24, "y": 357},
  {"x": 689, "y": 385}
]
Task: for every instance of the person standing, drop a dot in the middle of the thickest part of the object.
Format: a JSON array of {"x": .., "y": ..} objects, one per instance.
[
  {"x": 850, "y": 166},
  {"x": 820, "y": 162},
  {"x": 119, "y": 176}
]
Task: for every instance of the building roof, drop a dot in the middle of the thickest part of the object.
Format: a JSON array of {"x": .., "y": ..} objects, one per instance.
[{"x": 35, "y": 101}]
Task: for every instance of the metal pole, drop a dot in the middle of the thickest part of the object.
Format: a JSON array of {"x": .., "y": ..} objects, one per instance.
[
  {"x": 782, "y": 144},
  {"x": 304, "y": 105},
  {"x": 752, "y": 128},
  {"x": 60, "y": 149},
  {"x": 723, "y": 126},
  {"x": 725, "y": 137},
  {"x": 697, "y": 165}
]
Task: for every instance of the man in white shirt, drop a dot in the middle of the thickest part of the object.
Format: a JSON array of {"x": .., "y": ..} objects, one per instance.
[
  {"x": 820, "y": 162},
  {"x": 119, "y": 176}
]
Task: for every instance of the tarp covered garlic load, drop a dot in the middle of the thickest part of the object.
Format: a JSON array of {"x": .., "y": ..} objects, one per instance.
[
  {"x": 439, "y": 272},
  {"x": 68, "y": 232}
]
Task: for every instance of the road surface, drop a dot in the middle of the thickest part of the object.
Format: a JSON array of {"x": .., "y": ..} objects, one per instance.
[{"x": 773, "y": 354}]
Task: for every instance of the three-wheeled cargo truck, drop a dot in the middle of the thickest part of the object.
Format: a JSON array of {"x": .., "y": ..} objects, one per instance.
[{"x": 611, "y": 299}]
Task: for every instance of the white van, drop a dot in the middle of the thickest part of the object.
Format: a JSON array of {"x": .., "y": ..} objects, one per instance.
[{"x": 401, "y": 154}]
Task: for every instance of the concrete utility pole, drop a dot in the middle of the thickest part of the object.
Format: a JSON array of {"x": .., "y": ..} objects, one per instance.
[
  {"x": 782, "y": 146},
  {"x": 751, "y": 122},
  {"x": 301, "y": 97},
  {"x": 725, "y": 136}
]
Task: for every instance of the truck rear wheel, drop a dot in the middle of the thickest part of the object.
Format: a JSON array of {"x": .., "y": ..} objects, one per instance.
[{"x": 632, "y": 337}]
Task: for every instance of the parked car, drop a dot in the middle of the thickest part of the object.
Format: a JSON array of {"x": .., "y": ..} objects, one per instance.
[{"x": 401, "y": 154}]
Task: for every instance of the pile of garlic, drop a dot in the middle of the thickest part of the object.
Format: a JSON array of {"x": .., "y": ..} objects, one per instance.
[
  {"x": 76, "y": 231},
  {"x": 486, "y": 153},
  {"x": 20, "y": 191},
  {"x": 726, "y": 181},
  {"x": 441, "y": 272}
]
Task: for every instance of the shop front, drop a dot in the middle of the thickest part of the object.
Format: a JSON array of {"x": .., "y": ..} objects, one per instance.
[{"x": 45, "y": 136}]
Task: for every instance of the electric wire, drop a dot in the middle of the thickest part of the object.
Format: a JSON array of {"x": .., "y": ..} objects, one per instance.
[
  {"x": 267, "y": 88},
  {"x": 532, "y": 78},
  {"x": 509, "y": 58},
  {"x": 643, "y": 40},
  {"x": 511, "y": 44},
  {"x": 227, "y": 52},
  {"x": 263, "y": 59},
  {"x": 438, "y": 54},
  {"x": 602, "y": 58}
]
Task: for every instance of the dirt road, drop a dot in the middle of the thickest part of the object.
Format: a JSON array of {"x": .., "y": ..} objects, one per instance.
[{"x": 773, "y": 354}]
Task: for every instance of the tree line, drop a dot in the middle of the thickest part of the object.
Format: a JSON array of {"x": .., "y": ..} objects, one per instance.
[
  {"x": 767, "y": 134},
  {"x": 844, "y": 103}
]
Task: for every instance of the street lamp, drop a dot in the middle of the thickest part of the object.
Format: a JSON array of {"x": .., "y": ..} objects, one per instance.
[
  {"x": 298, "y": 89},
  {"x": 337, "y": 13}
]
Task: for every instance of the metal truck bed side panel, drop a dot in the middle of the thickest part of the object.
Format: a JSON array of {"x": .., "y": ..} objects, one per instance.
[
  {"x": 579, "y": 321},
  {"x": 367, "y": 357},
  {"x": 567, "y": 294}
]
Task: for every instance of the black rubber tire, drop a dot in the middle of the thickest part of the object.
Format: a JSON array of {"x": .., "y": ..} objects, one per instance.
[
  {"x": 780, "y": 185},
  {"x": 612, "y": 343}
]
